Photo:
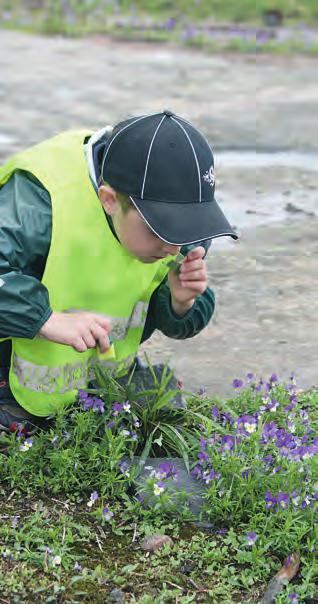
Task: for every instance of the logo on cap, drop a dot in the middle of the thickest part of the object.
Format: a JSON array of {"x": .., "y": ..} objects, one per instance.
[{"x": 209, "y": 177}]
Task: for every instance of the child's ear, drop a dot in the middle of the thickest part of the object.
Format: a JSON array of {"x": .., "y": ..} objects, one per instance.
[{"x": 108, "y": 199}]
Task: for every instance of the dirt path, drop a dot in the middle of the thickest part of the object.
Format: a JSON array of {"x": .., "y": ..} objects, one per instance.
[{"x": 266, "y": 285}]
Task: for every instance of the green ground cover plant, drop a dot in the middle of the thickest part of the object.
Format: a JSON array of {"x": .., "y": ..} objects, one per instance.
[{"x": 71, "y": 519}]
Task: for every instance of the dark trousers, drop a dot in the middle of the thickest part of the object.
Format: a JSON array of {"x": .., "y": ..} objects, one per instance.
[{"x": 5, "y": 353}]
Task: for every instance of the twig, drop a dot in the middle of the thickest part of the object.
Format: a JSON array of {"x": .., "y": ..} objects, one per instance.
[
  {"x": 63, "y": 536},
  {"x": 174, "y": 585},
  {"x": 135, "y": 532},
  {"x": 98, "y": 542},
  {"x": 11, "y": 495},
  {"x": 61, "y": 502}
]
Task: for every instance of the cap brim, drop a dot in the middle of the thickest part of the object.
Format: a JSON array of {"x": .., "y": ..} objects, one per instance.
[{"x": 184, "y": 223}]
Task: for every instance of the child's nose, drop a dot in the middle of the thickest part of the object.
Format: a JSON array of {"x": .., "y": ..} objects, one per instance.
[{"x": 172, "y": 250}]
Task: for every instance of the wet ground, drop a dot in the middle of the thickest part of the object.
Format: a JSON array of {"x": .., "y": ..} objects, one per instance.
[{"x": 260, "y": 116}]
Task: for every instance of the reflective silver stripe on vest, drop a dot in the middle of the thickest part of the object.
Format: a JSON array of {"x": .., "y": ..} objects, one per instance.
[
  {"x": 121, "y": 325},
  {"x": 41, "y": 378}
]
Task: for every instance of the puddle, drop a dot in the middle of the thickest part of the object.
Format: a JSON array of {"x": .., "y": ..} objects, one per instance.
[
  {"x": 253, "y": 159},
  {"x": 257, "y": 203},
  {"x": 6, "y": 139}
]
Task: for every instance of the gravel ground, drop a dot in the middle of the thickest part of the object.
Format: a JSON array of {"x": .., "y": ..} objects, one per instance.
[{"x": 260, "y": 116}]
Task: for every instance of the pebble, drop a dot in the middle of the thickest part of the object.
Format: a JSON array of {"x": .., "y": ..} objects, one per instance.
[
  {"x": 155, "y": 542},
  {"x": 116, "y": 596}
]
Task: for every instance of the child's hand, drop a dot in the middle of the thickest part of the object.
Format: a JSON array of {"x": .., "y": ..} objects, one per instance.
[
  {"x": 79, "y": 329},
  {"x": 190, "y": 282}
]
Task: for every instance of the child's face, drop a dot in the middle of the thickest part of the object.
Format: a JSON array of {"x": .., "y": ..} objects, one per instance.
[{"x": 133, "y": 232}]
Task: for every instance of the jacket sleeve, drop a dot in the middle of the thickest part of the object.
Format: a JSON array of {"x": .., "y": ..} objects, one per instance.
[
  {"x": 25, "y": 232},
  {"x": 161, "y": 315}
]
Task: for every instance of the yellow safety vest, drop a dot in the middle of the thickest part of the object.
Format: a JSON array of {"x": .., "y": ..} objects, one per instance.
[{"x": 86, "y": 269}]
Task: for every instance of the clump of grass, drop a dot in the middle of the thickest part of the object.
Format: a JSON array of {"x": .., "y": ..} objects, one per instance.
[{"x": 69, "y": 508}]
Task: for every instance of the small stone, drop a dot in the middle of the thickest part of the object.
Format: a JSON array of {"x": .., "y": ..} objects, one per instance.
[
  {"x": 116, "y": 596},
  {"x": 155, "y": 542}
]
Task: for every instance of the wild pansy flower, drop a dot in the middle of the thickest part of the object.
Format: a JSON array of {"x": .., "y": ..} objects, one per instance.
[
  {"x": 283, "y": 499},
  {"x": 158, "y": 487},
  {"x": 209, "y": 475},
  {"x": 124, "y": 468},
  {"x": 215, "y": 412},
  {"x": 107, "y": 514},
  {"x": 77, "y": 566},
  {"x": 126, "y": 406},
  {"x": 203, "y": 458},
  {"x": 250, "y": 376},
  {"x": 272, "y": 406},
  {"x": 28, "y": 443},
  {"x": 246, "y": 424},
  {"x": 125, "y": 432},
  {"x": 293, "y": 598},
  {"x": 93, "y": 498},
  {"x": 251, "y": 538},
  {"x": 227, "y": 443},
  {"x": 270, "y": 500},
  {"x": 117, "y": 408},
  {"x": 15, "y": 521},
  {"x": 56, "y": 561},
  {"x": 306, "y": 502},
  {"x": 237, "y": 383},
  {"x": 167, "y": 470},
  {"x": 98, "y": 404}
]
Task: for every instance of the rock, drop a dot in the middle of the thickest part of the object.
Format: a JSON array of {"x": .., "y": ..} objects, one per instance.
[
  {"x": 273, "y": 18},
  {"x": 155, "y": 542},
  {"x": 116, "y": 596}
]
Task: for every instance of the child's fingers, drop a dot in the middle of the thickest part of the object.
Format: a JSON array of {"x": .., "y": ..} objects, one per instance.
[
  {"x": 193, "y": 276},
  {"x": 197, "y": 252},
  {"x": 196, "y": 287},
  {"x": 191, "y": 265}
]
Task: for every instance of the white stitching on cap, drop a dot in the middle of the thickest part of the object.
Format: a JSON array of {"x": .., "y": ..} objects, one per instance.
[
  {"x": 173, "y": 242},
  {"x": 199, "y": 131},
  {"x": 195, "y": 155},
  {"x": 143, "y": 117},
  {"x": 148, "y": 157}
]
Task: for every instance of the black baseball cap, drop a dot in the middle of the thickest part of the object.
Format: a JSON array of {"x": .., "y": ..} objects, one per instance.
[{"x": 166, "y": 167}]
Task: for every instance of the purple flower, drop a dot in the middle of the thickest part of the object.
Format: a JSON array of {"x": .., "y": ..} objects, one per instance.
[
  {"x": 107, "y": 514},
  {"x": 228, "y": 443},
  {"x": 203, "y": 458},
  {"x": 250, "y": 376},
  {"x": 293, "y": 598},
  {"x": 117, "y": 408},
  {"x": 283, "y": 499},
  {"x": 273, "y": 378},
  {"x": 215, "y": 413},
  {"x": 124, "y": 468},
  {"x": 237, "y": 383},
  {"x": 246, "y": 424},
  {"x": 251, "y": 538},
  {"x": 98, "y": 405},
  {"x": 167, "y": 470},
  {"x": 209, "y": 475},
  {"x": 93, "y": 498},
  {"x": 270, "y": 500}
]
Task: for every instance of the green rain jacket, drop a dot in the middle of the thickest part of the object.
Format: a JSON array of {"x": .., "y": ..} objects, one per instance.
[{"x": 25, "y": 236}]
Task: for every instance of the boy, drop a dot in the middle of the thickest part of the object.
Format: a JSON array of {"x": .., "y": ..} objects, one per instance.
[{"x": 89, "y": 229}]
